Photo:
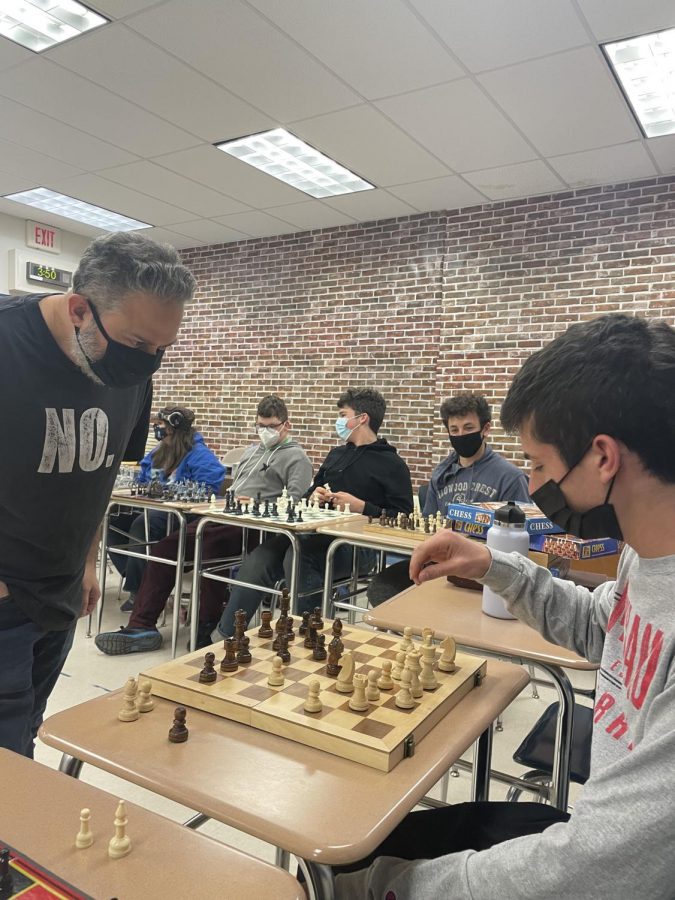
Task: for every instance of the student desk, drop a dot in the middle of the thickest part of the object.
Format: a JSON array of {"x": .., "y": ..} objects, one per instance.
[
  {"x": 40, "y": 817},
  {"x": 324, "y": 809}
]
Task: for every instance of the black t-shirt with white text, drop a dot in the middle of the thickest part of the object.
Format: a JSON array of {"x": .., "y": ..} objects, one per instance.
[{"x": 62, "y": 440}]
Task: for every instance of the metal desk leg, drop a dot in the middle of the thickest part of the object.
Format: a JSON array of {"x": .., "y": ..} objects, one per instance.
[
  {"x": 70, "y": 766},
  {"x": 178, "y": 584},
  {"x": 102, "y": 572},
  {"x": 480, "y": 777},
  {"x": 196, "y": 821},
  {"x": 196, "y": 582},
  {"x": 322, "y": 880},
  {"x": 282, "y": 859},
  {"x": 328, "y": 578},
  {"x": 563, "y": 737}
]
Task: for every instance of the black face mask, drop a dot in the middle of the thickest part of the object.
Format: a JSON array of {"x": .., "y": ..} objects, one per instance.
[
  {"x": 467, "y": 445},
  {"x": 597, "y": 522},
  {"x": 121, "y": 366},
  {"x": 160, "y": 432}
]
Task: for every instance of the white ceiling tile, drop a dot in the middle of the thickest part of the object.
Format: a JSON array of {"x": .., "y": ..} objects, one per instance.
[
  {"x": 614, "y": 19},
  {"x": 161, "y": 84},
  {"x": 564, "y": 103},
  {"x": 364, "y": 140},
  {"x": 439, "y": 193},
  {"x": 64, "y": 95},
  {"x": 166, "y": 236},
  {"x": 663, "y": 150},
  {"x": 224, "y": 173},
  {"x": 256, "y": 224},
  {"x": 310, "y": 215},
  {"x": 523, "y": 180},
  {"x": 208, "y": 232},
  {"x": 486, "y": 34},
  {"x": 159, "y": 182},
  {"x": 12, "y": 53},
  {"x": 13, "y": 183},
  {"x": 607, "y": 164},
  {"x": 39, "y": 132},
  {"x": 234, "y": 45},
  {"x": 367, "y": 206},
  {"x": 17, "y": 160},
  {"x": 379, "y": 35},
  {"x": 119, "y": 199},
  {"x": 117, "y": 9},
  {"x": 459, "y": 124}
]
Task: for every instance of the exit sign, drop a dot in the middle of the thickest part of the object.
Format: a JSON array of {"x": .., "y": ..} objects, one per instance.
[{"x": 43, "y": 237}]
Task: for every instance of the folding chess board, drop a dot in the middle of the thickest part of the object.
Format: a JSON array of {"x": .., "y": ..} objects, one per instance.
[
  {"x": 31, "y": 882},
  {"x": 394, "y": 531},
  {"x": 311, "y": 519},
  {"x": 380, "y": 737}
]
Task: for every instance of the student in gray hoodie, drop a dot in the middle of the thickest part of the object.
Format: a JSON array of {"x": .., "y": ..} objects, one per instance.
[
  {"x": 595, "y": 410},
  {"x": 471, "y": 473},
  {"x": 274, "y": 462}
]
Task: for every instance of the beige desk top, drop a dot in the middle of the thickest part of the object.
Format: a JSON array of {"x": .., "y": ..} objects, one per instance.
[
  {"x": 124, "y": 496},
  {"x": 457, "y": 611},
  {"x": 313, "y": 804},
  {"x": 40, "y": 816},
  {"x": 353, "y": 529},
  {"x": 245, "y": 521}
]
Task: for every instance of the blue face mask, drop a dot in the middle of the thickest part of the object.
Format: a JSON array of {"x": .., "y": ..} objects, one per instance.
[{"x": 342, "y": 429}]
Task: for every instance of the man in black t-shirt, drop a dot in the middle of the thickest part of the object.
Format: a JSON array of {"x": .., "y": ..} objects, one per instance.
[{"x": 75, "y": 372}]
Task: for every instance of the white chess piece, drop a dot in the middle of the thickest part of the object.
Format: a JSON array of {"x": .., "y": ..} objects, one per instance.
[
  {"x": 404, "y": 699},
  {"x": 313, "y": 702},
  {"x": 276, "y": 676},
  {"x": 385, "y": 681},
  {"x": 372, "y": 690},
  {"x": 145, "y": 702},
  {"x": 212, "y": 502},
  {"x": 407, "y": 643},
  {"x": 348, "y": 509},
  {"x": 412, "y": 662},
  {"x": 129, "y": 712},
  {"x": 345, "y": 680},
  {"x": 447, "y": 661},
  {"x": 428, "y": 678},
  {"x": 397, "y": 671},
  {"x": 84, "y": 838},
  {"x": 358, "y": 701},
  {"x": 120, "y": 843}
]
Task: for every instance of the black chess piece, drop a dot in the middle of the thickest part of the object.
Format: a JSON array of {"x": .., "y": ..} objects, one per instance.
[
  {"x": 319, "y": 651},
  {"x": 337, "y": 627},
  {"x": 244, "y": 654},
  {"x": 302, "y": 630},
  {"x": 208, "y": 674},
  {"x": 265, "y": 630},
  {"x": 299, "y": 518},
  {"x": 317, "y": 618},
  {"x": 266, "y": 509},
  {"x": 335, "y": 650},
  {"x": 238, "y": 510},
  {"x": 290, "y": 518},
  {"x": 290, "y": 634},
  {"x": 274, "y": 512},
  {"x": 282, "y": 650},
  {"x": 229, "y": 663},
  {"x": 179, "y": 732}
]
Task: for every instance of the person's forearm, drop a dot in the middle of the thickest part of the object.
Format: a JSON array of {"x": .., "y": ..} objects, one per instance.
[{"x": 92, "y": 554}]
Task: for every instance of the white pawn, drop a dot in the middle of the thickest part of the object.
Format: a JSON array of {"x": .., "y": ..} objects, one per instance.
[
  {"x": 313, "y": 702},
  {"x": 427, "y": 636},
  {"x": 276, "y": 676},
  {"x": 358, "y": 701},
  {"x": 385, "y": 682},
  {"x": 397, "y": 671},
  {"x": 404, "y": 699},
  {"x": 212, "y": 502},
  {"x": 447, "y": 661},
  {"x": 348, "y": 509},
  {"x": 120, "y": 843},
  {"x": 84, "y": 838},
  {"x": 372, "y": 690},
  {"x": 407, "y": 643},
  {"x": 129, "y": 712},
  {"x": 145, "y": 701}
]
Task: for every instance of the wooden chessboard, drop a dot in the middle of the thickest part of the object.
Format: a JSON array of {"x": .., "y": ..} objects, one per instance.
[
  {"x": 380, "y": 737},
  {"x": 388, "y": 531},
  {"x": 31, "y": 882},
  {"x": 311, "y": 519},
  {"x": 126, "y": 495}
]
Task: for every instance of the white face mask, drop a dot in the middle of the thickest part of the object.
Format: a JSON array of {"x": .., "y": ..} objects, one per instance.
[{"x": 269, "y": 437}]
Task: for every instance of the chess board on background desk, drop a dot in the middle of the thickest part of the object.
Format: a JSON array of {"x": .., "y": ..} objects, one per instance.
[
  {"x": 29, "y": 881},
  {"x": 312, "y": 518},
  {"x": 379, "y": 737}
]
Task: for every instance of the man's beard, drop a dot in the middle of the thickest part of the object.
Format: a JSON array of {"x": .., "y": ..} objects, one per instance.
[{"x": 87, "y": 344}]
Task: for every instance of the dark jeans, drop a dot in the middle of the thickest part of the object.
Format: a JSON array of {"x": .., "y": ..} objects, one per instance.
[
  {"x": 431, "y": 833},
  {"x": 133, "y": 569},
  {"x": 31, "y": 660},
  {"x": 389, "y": 582},
  {"x": 218, "y": 541},
  {"x": 272, "y": 561}
]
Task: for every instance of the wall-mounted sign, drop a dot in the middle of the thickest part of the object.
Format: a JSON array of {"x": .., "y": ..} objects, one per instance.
[
  {"x": 44, "y": 273},
  {"x": 43, "y": 237}
]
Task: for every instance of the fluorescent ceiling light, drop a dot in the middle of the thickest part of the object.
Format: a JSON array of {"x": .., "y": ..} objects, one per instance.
[
  {"x": 645, "y": 68},
  {"x": 39, "y": 24},
  {"x": 70, "y": 208},
  {"x": 284, "y": 156}
]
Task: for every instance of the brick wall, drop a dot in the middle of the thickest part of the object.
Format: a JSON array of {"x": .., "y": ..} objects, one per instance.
[{"x": 419, "y": 307}]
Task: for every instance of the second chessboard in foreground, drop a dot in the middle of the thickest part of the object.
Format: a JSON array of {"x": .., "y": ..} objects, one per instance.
[{"x": 380, "y": 736}]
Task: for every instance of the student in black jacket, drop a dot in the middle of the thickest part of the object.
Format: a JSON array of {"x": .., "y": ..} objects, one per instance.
[{"x": 365, "y": 472}]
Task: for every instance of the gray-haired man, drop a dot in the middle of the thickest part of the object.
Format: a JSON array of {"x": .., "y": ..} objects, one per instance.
[{"x": 75, "y": 371}]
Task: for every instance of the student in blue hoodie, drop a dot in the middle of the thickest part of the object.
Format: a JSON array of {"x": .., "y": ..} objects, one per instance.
[
  {"x": 180, "y": 455},
  {"x": 471, "y": 473}
]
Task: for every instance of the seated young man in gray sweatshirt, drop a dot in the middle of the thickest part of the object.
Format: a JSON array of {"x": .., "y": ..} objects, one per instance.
[
  {"x": 275, "y": 461},
  {"x": 595, "y": 410},
  {"x": 471, "y": 473}
]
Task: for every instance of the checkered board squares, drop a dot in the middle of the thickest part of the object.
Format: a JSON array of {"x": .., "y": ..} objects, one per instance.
[
  {"x": 391, "y": 531},
  {"x": 376, "y": 737},
  {"x": 311, "y": 519}
]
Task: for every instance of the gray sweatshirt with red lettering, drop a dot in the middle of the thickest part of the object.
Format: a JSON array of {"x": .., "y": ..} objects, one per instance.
[{"x": 620, "y": 841}]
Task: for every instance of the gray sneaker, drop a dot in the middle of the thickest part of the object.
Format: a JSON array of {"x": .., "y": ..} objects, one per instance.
[{"x": 128, "y": 640}]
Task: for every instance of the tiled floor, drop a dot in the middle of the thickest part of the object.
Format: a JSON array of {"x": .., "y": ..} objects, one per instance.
[{"x": 89, "y": 673}]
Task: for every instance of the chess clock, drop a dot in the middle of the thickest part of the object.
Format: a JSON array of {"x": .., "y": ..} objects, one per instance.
[{"x": 45, "y": 273}]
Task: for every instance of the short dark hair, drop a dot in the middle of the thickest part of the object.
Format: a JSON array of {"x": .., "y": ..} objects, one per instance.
[
  {"x": 612, "y": 375},
  {"x": 365, "y": 400},
  {"x": 272, "y": 405},
  {"x": 464, "y": 403}
]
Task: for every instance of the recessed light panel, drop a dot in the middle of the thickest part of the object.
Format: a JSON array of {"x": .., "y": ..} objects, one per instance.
[
  {"x": 40, "y": 24},
  {"x": 70, "y": 208}
]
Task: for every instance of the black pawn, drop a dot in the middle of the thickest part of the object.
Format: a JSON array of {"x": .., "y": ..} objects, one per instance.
[
  {"x": 179, "y": 732},
  {"x": 283, "y": 648},
  {"x": 319, "y": 651},
  {"x": 244, "y": 654},
  {"x": 208, "y": 674},
  {"x": 302, "y": 630}
]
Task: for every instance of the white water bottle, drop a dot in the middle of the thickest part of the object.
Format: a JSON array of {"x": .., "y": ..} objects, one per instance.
[{"x": 507, "y": 533}]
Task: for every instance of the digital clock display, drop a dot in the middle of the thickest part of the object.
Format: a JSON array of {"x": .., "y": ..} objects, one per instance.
[{"x": 43, "y": 273}]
